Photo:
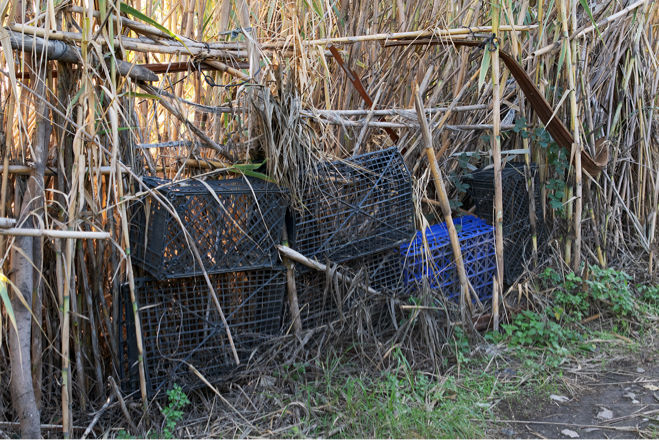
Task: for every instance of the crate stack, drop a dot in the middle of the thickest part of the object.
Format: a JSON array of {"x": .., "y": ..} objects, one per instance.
[
  {"x": 355, "y": 213},
  {"x": 518, "y": 246},
  {"x": 234, "y": 225},
  {"x": 436, "y": 261}
]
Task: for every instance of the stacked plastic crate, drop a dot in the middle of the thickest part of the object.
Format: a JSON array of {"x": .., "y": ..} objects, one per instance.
[
  {"x": 355, "y": 213},
  {"x": 436, "y": 261},
  {"x": 232, "y": 226}
]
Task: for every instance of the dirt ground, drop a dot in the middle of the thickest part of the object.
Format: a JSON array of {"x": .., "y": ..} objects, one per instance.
[{"x": 617, "y": 400}]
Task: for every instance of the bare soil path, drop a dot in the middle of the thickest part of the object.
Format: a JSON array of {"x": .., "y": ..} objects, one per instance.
[{"x": 619, "y": 401}]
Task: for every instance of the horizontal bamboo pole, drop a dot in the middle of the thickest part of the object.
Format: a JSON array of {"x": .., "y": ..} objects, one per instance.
[
  {"x": 296, "y": 256},
  {"x": 611, "y": 18},
  {"x": 411, "y": 113},
  {"x": 136, "y": 45},
  {"x": 33, "y": 42},
  {"x": 360, "y": 123},
  {"x": 25, "y": 170},
  {"x": 134, "y": 25},
  {"x": 6, "y": 223},
  {"x": 438, "y": 32},
  {"x": 54, "y": 233}
]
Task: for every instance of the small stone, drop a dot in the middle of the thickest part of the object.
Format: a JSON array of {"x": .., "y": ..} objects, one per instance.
[
  {"x": 508, "y": 432},
  {"x": 605, "y": 414},
  {"x": 630, "y": 395},
  {"x": 640, "y": 370},
  {"x": 483, "y": 405},
  {"x": 558, "y": 398},
  {"x": 645, "y": 420},
  {"x": 569, "y": 433},
  {"x": 635, "y": 402}
]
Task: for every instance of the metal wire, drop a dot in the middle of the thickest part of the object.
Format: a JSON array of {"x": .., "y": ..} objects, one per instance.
[
  {"x": 355, "y": 207},
  {"x": 181, "y": 326},
  {"x": 517, "y": 246}
]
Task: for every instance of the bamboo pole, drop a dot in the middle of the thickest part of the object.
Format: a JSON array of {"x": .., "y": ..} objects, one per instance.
[
  {"x": 26, "y": 170},
  {"x": 6, "y": 223},
  {"x": 437, "y": 32},
  {"x": 570, "y": 67},
  {"x": 53, "y": 233},
  {"x": 119, "y": 194},
  {"x": 6, "y": 142},
  {"x": 465, "y": 287},
  {"x": 496, "y": 157}
]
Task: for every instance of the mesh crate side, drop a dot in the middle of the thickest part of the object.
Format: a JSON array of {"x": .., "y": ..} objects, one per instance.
[
  {"x": 516, "y": 222},
  {"x": 146, "y": 247},
  {"x": 382, "y": 271},
  {"x": 355, "y": 207},
  {"x": 181, "y": 325},
  {"x": 129, "y": 378}
]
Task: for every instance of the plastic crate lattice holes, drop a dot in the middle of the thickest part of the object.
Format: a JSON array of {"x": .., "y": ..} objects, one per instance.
[
  {"x": 238, "y": 233},
  {"x": 477, "y": 244}
]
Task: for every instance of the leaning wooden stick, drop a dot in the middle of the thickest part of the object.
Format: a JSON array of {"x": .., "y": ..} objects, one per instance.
[
  {"x": 296, "y": 256},
  {"x": 443, "y": 200},
  {"x": 291, "y": 289}
]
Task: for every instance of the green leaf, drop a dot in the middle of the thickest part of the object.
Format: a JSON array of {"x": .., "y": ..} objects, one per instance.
[
  {"x": 249, "y": 166},
  {"x": 7, "y": 302},
  {"x": 142, "y": 95},
  {"x": 584, "y": 3},
  {"x": 135, "y": 13},
  {"x": 485, "y": 67},
  {"x": 248, "y": 170}
]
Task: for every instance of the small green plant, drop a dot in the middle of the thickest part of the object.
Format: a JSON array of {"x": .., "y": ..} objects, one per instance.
[
  {"x": 461, "y": 346},
  {"x": 612, "y": 288},
  {"x": 534, "y": 330},
  {"x": 572, "y": 298},
  {"x": 649, "y": 296},
  {"x": 177, "y": 400}
]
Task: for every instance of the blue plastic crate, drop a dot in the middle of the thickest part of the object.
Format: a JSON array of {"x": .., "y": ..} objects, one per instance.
[{"x": 438, "y": 263}]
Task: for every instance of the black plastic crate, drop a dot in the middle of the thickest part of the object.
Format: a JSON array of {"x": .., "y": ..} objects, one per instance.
[
  {"x": 355, "y": 207},
  {"x": 318, "y": 306},
  {"x": 518, "y": 245},
  {"x": 181, "y": 326},
  {"x": 238, "y": 233}
]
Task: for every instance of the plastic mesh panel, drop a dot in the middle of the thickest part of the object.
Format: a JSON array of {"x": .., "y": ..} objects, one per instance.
[
  {"x": 239, "y": 233},
  {"x": 478, "y": 253},
  {"x": 518, "y": 247},
  {"x": 383, "y": 271},
  {"x": 181, "y": 325},
  {"x": 355, "y": 207}
]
